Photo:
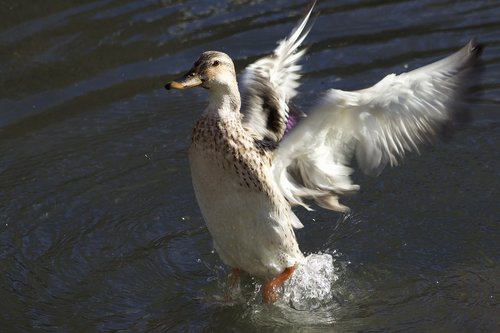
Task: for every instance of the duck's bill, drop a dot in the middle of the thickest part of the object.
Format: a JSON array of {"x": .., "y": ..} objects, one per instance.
[{"x": 187, "y": 81}]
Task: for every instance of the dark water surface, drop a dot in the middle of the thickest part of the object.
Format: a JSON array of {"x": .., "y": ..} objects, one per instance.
[{"x": 99, "y": 227}]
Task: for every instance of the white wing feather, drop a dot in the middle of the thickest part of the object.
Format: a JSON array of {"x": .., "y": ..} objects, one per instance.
[
  {"x": 269, "y": 84},
  {"x": 378, "y": 125}
]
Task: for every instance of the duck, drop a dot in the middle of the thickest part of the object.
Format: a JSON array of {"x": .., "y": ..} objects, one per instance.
[{"x": 250, "y": 166}]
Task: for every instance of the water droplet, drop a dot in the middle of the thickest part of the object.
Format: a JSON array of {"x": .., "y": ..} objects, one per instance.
[{"x": 311, "y": 284}]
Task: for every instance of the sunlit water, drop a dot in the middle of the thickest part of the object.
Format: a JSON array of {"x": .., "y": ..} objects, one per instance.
[{"x": 99, "y": 226}]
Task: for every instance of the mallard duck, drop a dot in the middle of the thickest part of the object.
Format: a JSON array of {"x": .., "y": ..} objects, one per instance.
[{"x": 247, "y": 173}]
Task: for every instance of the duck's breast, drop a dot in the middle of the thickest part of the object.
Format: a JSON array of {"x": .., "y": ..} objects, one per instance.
[{"x": 250, "y": 223}]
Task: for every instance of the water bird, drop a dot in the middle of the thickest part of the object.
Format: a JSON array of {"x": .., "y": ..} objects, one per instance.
[{"x": 249, "y": 167}]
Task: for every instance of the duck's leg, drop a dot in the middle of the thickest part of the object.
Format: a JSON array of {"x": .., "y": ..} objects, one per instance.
[
  {"x": 270, "y": 288},
  {"x": 234, "y": 277},
  {"x": 233, "y": 281}
]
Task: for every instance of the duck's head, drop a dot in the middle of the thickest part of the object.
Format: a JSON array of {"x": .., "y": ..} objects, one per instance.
[{"x": 212, "y": 70}]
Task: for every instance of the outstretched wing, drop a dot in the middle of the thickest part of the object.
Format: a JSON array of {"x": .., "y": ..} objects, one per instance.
[
  {"x": 378, "y": 125},
  {"x": 269, "y": 84}
]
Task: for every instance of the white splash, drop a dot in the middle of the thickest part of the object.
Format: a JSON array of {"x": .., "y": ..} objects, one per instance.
[
  {"x": 310, "y": 286},
  {"x": 308, "y": 298}
]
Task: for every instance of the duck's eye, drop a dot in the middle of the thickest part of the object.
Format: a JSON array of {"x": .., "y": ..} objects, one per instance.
[{"x": 215, "y": 63}]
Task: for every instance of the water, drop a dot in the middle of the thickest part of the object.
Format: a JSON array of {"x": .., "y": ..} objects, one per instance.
[{"x": 99, "y": 227}]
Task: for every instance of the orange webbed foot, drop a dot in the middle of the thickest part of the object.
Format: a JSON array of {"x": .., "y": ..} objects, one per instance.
[{"x": 270, "y": 288}]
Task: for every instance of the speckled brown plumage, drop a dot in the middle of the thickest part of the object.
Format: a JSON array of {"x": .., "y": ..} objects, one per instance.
[
  {"x": 235, "y": 149},
  {"x": 248, "y": 217}
]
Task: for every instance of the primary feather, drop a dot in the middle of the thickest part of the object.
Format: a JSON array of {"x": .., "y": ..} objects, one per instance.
[
  {"x": 270, "y": 83},
  {"x": 377, "y": 125}
]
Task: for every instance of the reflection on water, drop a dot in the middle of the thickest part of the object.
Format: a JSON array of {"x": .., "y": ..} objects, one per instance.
[{"x": 99, "y": 227}]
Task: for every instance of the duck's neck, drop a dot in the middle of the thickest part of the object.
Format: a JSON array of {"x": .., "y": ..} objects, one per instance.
[{"x": 224, "y": 100}]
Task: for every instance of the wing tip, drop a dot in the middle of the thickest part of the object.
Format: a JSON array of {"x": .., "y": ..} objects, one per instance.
[
  {"x": 302, "y": 29},
  {"x": 475, "y": 49}
]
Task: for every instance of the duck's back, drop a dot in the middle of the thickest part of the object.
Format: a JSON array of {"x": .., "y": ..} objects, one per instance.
[{"x": 250, "y": 221}]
